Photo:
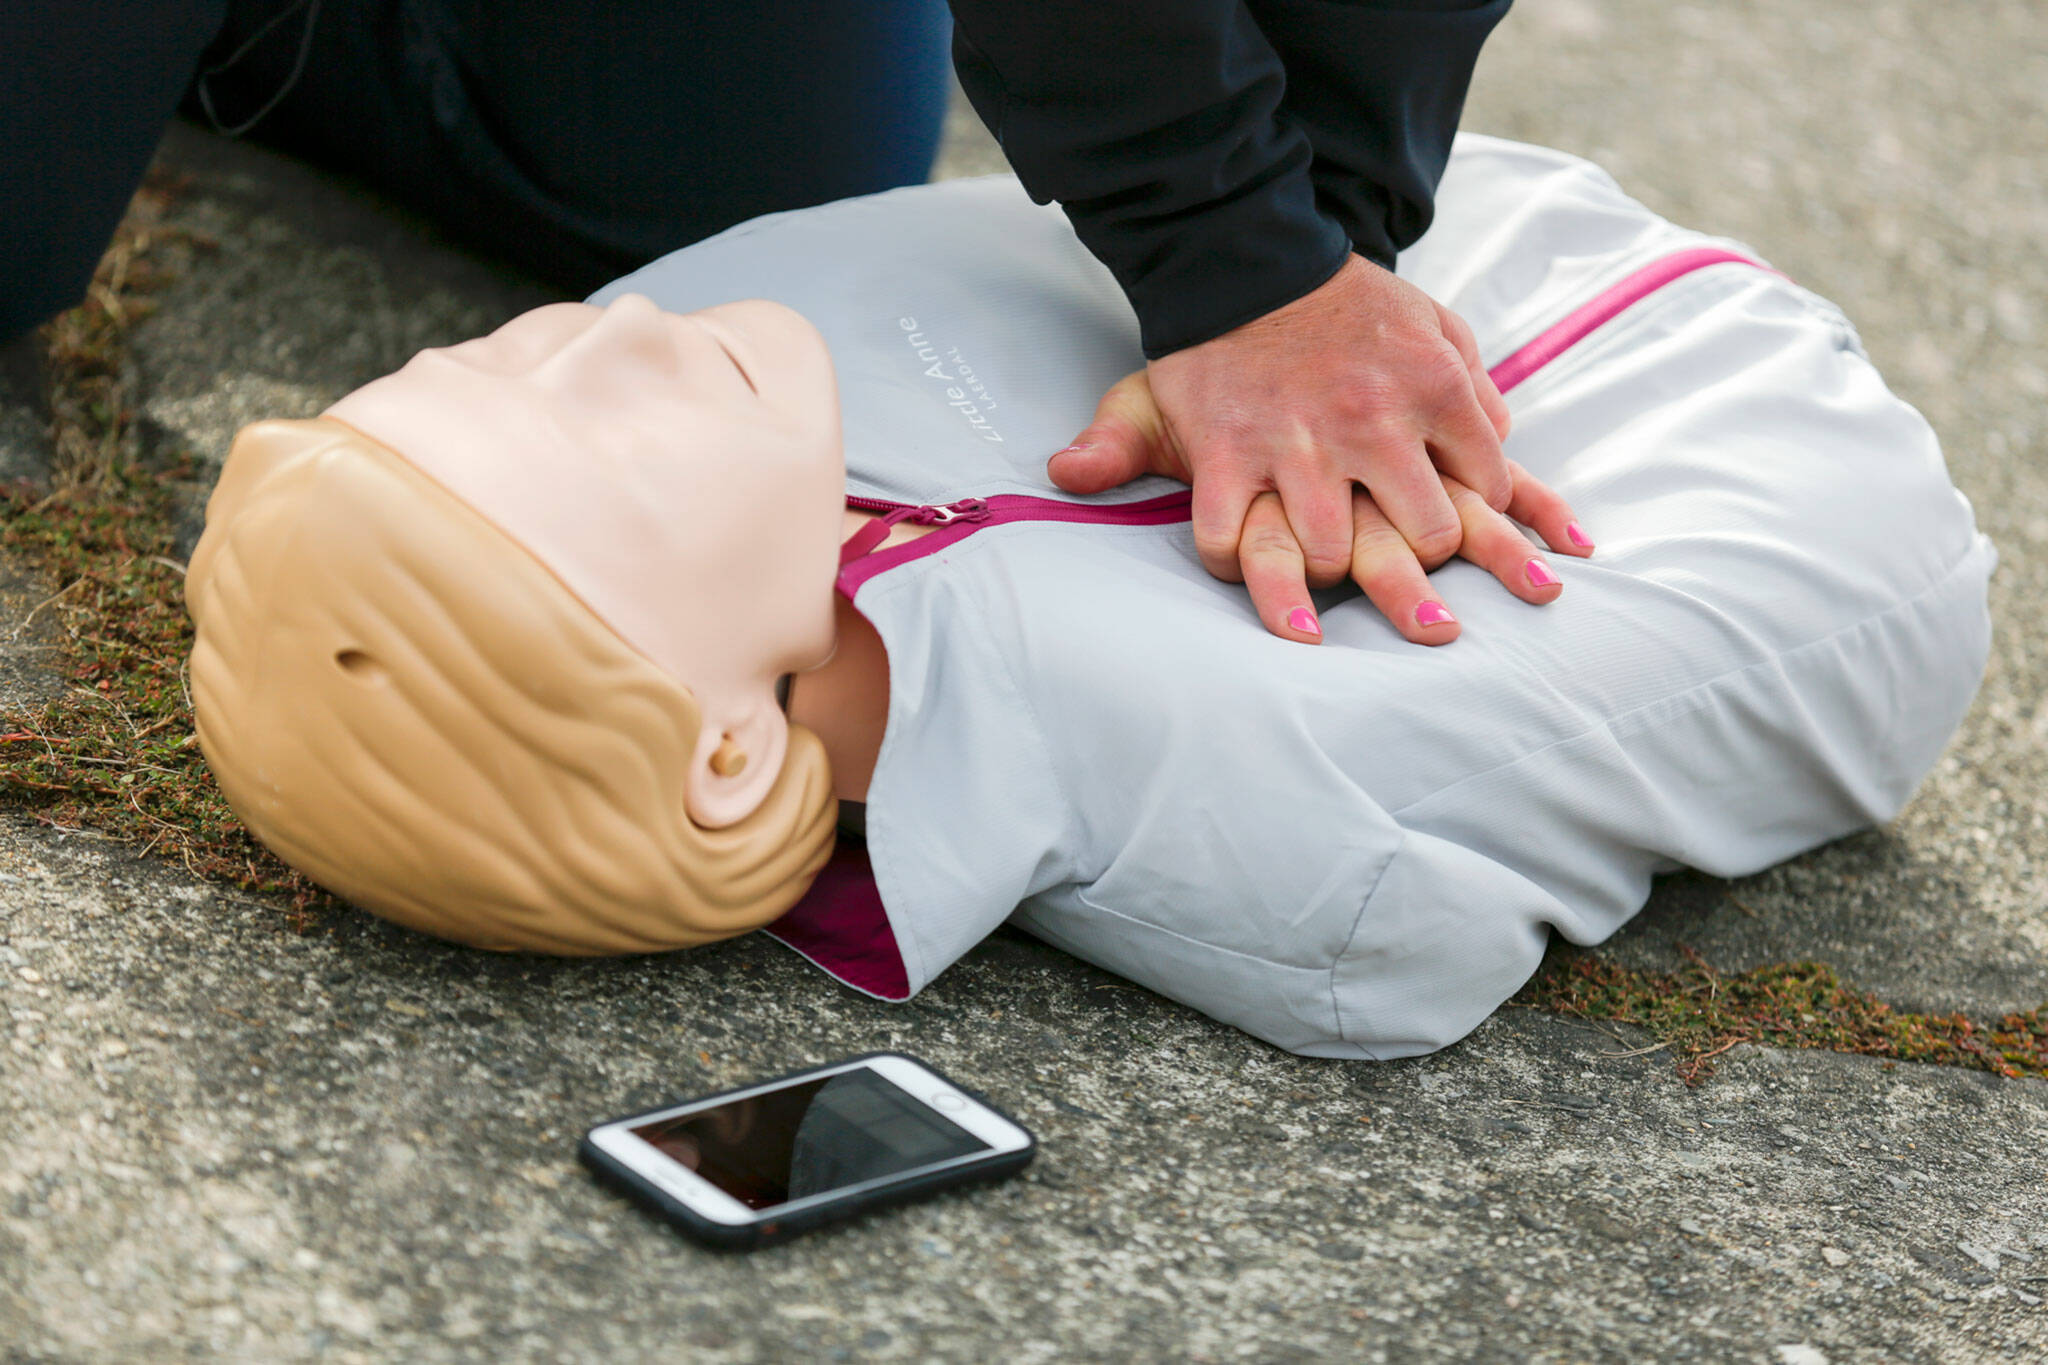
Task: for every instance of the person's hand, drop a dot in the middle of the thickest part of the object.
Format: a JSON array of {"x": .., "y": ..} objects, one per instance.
[
  {"x": 1365, "y": 381},
  {"x": 1393, "y": 576},
  {"x": 1269, "y": 558}
]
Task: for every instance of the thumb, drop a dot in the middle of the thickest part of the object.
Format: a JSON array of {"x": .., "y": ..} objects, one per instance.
[{"x": 1127, "y": 438}]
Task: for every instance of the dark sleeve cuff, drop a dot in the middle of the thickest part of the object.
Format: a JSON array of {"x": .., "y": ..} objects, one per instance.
[
  {"x": 1232, "y": 263},
  {"x": 1156, "y": 125},
  {"x": 1378, "y": 86}
]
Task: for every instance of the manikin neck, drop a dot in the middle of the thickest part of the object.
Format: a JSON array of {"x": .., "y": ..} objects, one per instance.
[{"x": 845, "y": 700}]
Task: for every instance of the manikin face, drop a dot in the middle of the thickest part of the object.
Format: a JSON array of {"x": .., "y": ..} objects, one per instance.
[{"x": 681, "y": 474}]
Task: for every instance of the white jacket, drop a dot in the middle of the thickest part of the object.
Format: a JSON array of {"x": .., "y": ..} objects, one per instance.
[{"x": 1357, "y": 849}]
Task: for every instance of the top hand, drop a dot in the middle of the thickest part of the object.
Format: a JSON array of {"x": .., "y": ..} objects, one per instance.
[{"x": 1366, "y": 381}]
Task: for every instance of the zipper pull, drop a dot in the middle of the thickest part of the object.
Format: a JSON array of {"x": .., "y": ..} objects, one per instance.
[
  {"x": 967, "y": 509},
  {"x": 877, "y": 531}
]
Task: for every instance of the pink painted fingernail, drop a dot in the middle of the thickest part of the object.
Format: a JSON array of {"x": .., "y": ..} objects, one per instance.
[
  {"x": 1540, "y": 575},
  {"x": 1304, "y": 620},
  {"x": 1577, "y": 535},
  {"x": 1433, "y": 614}
]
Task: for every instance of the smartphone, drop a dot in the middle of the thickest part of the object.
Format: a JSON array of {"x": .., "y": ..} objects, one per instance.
[{"x": 760, "y": 1164}]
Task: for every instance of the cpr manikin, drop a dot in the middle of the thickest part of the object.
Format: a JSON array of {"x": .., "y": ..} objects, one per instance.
[{"x": 492, "y": 648}]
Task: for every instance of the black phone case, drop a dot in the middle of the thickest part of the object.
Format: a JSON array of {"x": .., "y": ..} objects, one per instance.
[{"x": 724, "y": 1237}]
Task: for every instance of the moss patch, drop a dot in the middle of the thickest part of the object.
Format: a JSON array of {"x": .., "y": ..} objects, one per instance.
[
  {"x": 1699, "y": 1013},
  {"x": 116, "y": 751}
]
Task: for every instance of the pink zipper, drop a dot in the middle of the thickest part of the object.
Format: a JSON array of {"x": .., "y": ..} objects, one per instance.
[
  {"x": 859, "y": 560},
  {"x": 1576, "y": 325}
]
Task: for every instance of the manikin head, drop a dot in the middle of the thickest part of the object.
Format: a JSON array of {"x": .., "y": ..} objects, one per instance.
[{"x": 492, "y": 647}]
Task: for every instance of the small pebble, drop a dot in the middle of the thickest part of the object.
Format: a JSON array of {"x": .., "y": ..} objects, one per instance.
[
  {"x": 1834, "y": 1256},
  {"x": 1983, "y": 1256}
]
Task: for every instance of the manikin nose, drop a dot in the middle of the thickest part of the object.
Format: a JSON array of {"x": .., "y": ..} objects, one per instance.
[{"x": 628, "y": 334}]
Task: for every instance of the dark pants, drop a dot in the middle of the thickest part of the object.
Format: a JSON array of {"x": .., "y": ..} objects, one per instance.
[{"x": 576, "y": 140}]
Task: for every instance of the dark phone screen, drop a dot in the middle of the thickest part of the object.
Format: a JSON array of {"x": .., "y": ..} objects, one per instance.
[{"x": 809, "y": 1137}]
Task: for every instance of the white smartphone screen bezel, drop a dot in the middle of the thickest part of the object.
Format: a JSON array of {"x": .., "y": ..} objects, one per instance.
[{"x": 617, "y": 1140}]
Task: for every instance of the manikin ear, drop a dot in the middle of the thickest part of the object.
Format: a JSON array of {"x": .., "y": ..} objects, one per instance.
[{"x": 739, "y": 754}]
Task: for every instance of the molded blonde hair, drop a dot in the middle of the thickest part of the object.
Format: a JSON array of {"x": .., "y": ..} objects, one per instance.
[{"x": 405, "y": 705}]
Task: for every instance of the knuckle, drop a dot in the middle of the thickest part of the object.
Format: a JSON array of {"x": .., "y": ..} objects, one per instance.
[
  {"x": 1327, "y": 568},
  {"x": 1464, "y": 501},
  {"x": 1445, "y": 380},
  {"x": 1268, "y": 542},
  {"x": 1386, "y": 584},
  {"x": 1217, "y": 548},
  {"x": 1230, "y": 437},
  {"x": 1326, "y": 549},
  {"x": 1376, "y": 541},
  {"x": 1366, "y": 398},
  {"x": 1392, "y": 584},
  {"x": 1314, "y": 468},
  {"x": 1438, "y": 542}
]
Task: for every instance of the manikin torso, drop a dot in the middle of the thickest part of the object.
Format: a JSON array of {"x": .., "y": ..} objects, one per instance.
[
  {"x": 1357, "y": 848},
  {"x": 1353, "y": 849}
]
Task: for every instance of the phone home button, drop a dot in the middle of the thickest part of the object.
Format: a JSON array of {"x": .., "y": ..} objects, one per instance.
[{"x": 946, "y": 1099}]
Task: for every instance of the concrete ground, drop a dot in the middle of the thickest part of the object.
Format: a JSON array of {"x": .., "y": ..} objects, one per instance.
[{"x": 222, "y": 1140}]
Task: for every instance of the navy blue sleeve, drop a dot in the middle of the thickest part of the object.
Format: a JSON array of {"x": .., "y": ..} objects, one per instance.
[
  {"x": 1223, "y": 157},
  {"x": 1378, "y": 85},
  {"x": 1156, "y": 125}
]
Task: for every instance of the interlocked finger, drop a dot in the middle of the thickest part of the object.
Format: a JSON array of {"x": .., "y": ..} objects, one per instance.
[
  {"x": 1497, "y": 545},
  {"x": 1536, "y": 505},
  {"x": 1385, "y": 567},
  {"x": 1274, "y": 571},
  {"x": 1409, "y": 494}
]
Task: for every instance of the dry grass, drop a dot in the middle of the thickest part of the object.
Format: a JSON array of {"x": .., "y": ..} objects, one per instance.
[
  {"x": 115, "y": 752},
  {"x": 1699, "y": 1013}
]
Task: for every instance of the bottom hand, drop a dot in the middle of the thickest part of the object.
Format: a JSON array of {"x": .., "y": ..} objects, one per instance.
[{"x": 1390, "y": 572}]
